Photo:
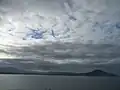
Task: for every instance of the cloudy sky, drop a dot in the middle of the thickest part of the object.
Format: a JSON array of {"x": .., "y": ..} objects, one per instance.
[{"x": 71, "y": 35}]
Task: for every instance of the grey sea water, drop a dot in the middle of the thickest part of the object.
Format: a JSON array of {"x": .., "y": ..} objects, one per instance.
[{"x": 34, "y": 82}]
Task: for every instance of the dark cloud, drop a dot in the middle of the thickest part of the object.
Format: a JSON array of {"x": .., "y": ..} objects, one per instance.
[
  {"x": 73, "y": 67},
  {"x": 40, "y": 65},
  {"x": 87, "y": 53}
]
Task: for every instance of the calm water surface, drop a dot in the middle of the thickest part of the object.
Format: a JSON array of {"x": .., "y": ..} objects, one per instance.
[{"x": 33, "y": 82}]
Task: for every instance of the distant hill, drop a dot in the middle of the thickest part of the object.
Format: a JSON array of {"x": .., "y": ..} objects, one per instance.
[
  {"x": 12, "y": 70},
  {"x": 92, "y": 73},
  {"x": 99, "y": 73}
]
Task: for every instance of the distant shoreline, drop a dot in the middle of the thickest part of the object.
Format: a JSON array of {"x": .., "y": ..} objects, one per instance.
[
  {"x": 60, "y": 75},
  {"x": 89, "y": 74}
]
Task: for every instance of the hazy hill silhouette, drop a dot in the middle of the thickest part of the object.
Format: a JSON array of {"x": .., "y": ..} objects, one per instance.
[
  {"x": 7, "y": 70},
  {"x": 99, "y": 73},
  {"x": 13, "y": 70}
]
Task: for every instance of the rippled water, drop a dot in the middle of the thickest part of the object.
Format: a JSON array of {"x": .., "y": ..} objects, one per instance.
[{"x": 21, "y": 82}]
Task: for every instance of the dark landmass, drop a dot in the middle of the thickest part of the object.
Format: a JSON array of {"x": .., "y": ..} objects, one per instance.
[
  {"x": 12, "y": 70},
  {"x": 99, "y": 73},
  {"x": 5, "y": 70}
]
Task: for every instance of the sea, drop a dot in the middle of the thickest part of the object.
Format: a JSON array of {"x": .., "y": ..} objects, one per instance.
[{"x": 41, "y": 82}]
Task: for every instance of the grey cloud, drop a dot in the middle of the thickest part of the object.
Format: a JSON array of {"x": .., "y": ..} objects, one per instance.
[
  {"x": 88, "y": 53},
  {"x": 50, "y": 66},
  {"x": 56, "y": 5}
]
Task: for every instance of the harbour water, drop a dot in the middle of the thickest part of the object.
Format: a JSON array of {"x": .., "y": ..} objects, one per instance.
[{"x": 37, "y": 82}]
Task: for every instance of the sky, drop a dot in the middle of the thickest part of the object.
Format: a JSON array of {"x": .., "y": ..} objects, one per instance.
[{"x": 60, "y": 35}]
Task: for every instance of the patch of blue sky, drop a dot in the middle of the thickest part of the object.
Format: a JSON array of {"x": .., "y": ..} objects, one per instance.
[{"x": 35, "y": 34}]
